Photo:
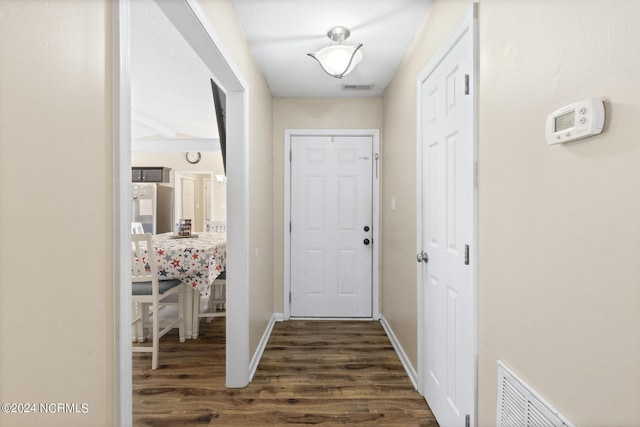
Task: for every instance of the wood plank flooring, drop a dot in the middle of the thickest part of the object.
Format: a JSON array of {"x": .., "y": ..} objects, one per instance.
[{"x": 311, "y": 373}]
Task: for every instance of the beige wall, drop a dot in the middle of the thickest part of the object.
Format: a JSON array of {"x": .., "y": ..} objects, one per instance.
[
  {"x": 353, "y": 113},
  {"x": 56, "y": 233},
  {"x": 211, "y": 162},
  {"x": 222, "y": 18},
  {"x": 558, "y": 225}
]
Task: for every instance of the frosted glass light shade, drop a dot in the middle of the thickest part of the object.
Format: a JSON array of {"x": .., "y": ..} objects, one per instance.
[{"x": 338, "y": 60}]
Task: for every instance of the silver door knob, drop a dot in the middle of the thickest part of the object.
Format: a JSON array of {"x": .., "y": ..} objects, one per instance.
[{"x": 422, "y": 257}]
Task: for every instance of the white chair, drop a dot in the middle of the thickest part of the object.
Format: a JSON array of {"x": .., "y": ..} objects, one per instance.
[
  {"x": 136, "y": 228},
  {"x": 216, "y": 303},
  {"x": 149, "y": 292},
  {"x": 218, "y": 293},
  {"x": 215, "y": 226},
  {"x": 216, "y": 306}
]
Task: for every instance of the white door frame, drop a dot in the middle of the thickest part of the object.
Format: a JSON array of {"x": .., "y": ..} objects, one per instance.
[
  {"x": 468, "y": 23},
  {"x": 189, "y": 19},
  {"x": 179, "y": 197},
  {"x": 376, "y": 179},
  {"x": 177, "y": 188},
  {"x": 207, "y": 182}
]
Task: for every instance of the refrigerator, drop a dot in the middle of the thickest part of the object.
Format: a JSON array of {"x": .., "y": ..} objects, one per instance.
[{"x": 153, "y": 207}]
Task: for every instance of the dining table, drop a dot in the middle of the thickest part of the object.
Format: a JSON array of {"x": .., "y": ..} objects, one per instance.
[{"x": 196, "y": 260}]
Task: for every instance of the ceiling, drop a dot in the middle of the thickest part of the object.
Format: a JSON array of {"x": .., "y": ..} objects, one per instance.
[
  {"x": 282, "y": 32},
  {"x": 171, "y": 95}
]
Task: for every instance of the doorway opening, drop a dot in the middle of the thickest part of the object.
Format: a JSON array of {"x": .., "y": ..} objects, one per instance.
[
  {"x": 210, "y": 198},
  {"x": 191, "y": 22}
]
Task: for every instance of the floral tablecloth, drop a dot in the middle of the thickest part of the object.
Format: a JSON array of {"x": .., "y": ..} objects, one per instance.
[{"x": 196, "y": 261}]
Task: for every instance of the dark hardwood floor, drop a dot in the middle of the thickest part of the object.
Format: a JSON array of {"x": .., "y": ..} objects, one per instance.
[{"x": 311, "y": 373}]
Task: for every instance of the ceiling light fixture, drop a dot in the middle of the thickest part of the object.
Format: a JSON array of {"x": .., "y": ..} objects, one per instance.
[{"x": 339, "y": 59}]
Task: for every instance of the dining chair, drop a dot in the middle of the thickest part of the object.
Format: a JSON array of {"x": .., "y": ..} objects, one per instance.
[
  {"x": 136, "y": 228},
  {"x": 150, "y": 293},
  {"x": 216, "y": 305},
  {"x": 216, "y": 226}
]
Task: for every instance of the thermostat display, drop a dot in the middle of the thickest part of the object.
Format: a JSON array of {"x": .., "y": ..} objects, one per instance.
[
  {"x": 576, "y": 121},
  {"x": 566, "y": 121}
]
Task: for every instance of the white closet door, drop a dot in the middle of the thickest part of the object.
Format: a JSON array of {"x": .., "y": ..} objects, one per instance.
[{"x": 447, "y": 225}]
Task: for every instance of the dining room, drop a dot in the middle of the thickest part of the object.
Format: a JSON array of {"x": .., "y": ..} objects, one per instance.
[
  {"x": 187, "y": 231},
  {"x": 178, "y": 183}
]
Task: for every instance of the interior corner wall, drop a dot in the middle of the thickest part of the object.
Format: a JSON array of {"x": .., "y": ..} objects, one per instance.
[
  {"x": 222, "y": 18},
  {"x": 56, "y": 212},
  {"x": 558, "y": 224},
  {"x": 296, "y": 113}
]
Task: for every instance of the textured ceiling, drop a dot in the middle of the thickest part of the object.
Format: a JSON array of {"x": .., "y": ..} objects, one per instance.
[
  {"x": 170, "y": 88},
  {"x": 282, "y": 32}
]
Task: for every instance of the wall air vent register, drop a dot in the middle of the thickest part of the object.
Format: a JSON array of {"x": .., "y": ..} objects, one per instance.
[{"x": 520, "y": 406}]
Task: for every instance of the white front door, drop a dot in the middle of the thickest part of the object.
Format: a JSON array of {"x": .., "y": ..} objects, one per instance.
[
  {"x": 447, "y": 237},
  {"x": 331, "y": 226}
]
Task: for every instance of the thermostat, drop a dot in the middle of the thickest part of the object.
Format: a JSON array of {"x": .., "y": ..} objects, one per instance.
[{"x": 575, "y": 121}]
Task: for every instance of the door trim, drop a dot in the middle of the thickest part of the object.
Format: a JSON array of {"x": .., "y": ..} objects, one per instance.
[
  {"x": 189, "y": 19},
  {"x": 467, "y": 24},
  {"x": 179, "y": 196},
  {"x": 177, "y": 186},
  {"x": 376, "y": 179}
]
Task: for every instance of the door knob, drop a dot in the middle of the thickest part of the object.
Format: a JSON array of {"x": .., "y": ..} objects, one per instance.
[
  {"x": 366, "y": 241},
  {"x": 422, "y": 257},
  {"x": 366, "y": 228}
]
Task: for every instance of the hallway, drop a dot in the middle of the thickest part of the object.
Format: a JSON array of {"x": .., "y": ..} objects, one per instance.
[{"x": 311, "y": 373}]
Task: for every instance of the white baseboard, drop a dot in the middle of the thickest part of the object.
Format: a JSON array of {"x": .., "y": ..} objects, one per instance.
[
  {"x": 413, "y": 376},
  {"x": 255, "y": 360}
]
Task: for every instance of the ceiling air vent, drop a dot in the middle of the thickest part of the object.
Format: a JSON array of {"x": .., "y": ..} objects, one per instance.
[{"x": 357, "y": 87}]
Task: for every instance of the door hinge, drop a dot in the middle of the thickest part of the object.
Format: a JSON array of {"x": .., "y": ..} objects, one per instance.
[
  {"x": 466, "y": 254},
  {"x": 466, "y": 84},
  {"x": 290, "y": 155},
  {"x": 467, "y": 420},
  {"x": 290, "y": 227},
  {"x": 289, "y": 297}
]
